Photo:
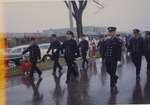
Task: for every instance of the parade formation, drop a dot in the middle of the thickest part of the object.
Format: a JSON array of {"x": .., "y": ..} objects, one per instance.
[
  {"x": 110, "y": 48},
  {"x": 74, "y": 52}
]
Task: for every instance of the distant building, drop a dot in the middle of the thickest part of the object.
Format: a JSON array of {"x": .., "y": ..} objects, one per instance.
[{"x": 89, "y": 30}]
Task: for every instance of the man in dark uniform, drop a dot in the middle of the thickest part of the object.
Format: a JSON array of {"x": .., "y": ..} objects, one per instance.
[
  {"x": 111, "y": 54},
  {"x": 34, "y": 55},
  {"x": 147, "y": 49},
  {"x": 71, "y": 52},
  {"x": 84, "y": 47},
  {"x": 136, "y": 45},
  {"x": 54, "y": 49}
]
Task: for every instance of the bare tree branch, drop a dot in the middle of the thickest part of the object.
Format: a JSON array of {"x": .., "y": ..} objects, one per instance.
[
  {"x": 75, "y": 8},
  {"x": 78, "y": 7},
  {"x": 84, "y": 3},
  {"x": 80, "y": 3},
  {"x": 67, "y": 5},
  {"x": 99, "y": 4}
]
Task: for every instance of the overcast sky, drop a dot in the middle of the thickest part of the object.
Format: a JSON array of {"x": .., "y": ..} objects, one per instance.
[{"x": 20, "y": 16}]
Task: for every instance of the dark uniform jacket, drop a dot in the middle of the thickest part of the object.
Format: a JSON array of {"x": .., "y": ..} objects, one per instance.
[
  {"x": 54, "y": 45},
  {"x": 136, "y": 46},
  {"x": 112, "y": 49},
  {"x": 84, "y": 45},
  {"x": 100, "y": 46},
  {"x": 34, "y": 53},
  {"x": 71, "y": 49},
  {"x": 147, "y": 46}
]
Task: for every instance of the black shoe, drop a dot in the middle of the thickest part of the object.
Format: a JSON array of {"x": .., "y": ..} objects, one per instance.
[
  {"x": 137, "y": 77},
  {"x": 67, "y": 81},
  {"x": 114, "y": 90},
  {"x": 83, "y": 67},
  {"x": 112, "y": 85},
  {"x": 116, "y": 78},
  {"x": 40, "y": 79},
  {"x": 53, "y": 73},
  {"x": 60, "y": 70},
  {"x": 40, "y": 75}
]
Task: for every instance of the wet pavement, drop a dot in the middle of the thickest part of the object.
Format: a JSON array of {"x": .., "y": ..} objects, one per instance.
[{"x": 91, "y": 88}]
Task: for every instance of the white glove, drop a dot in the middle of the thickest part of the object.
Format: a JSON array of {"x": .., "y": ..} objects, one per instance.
[
  {"x": 50, "y": 52},
  {"x": 54, "y": 50},
  {"x": 118, "y": 63},
  {"x": 100, "y": 59},
  {"x": 24, "y": 57},
  {"x": 128, "y": 53},
  {"x": 78, "y": 58}
]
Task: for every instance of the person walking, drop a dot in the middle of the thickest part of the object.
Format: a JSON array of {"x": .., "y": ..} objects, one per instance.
[
  {"x": 147, "y": 49},
  {"x": 111, "y": 54},
  {"x": 34, "y": 56},
  {"x": 54, "y": 49},
  {"x": 71, "y": 52},
  {"x": 84, "y": 47},
  {"x": 136, "y": 46}
]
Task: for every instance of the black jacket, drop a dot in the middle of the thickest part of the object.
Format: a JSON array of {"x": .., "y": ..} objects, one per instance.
[
  {"x": 34, "y": 53},
  {"x": 84, "y": 45},
  {"x": 100, "y": 46},
  {"x": 136, "y": 46},
  {"x": 71, "y": 50},
  {"x": 112, "y": 49},
  {"x": 147, "y": 46},
  {"x": 54, "y": 45}
]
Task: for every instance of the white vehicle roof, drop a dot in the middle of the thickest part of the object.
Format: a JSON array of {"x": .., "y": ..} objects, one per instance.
[
  {"x": 21, "y": 46},
  {"x": 44, "y": 44},
  {"x": 14, "y": 49}
]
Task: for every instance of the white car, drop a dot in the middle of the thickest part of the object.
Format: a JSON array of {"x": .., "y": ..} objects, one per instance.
[
  {"x": 44, "y": 47},
  {"x": 15, "y": 53}
]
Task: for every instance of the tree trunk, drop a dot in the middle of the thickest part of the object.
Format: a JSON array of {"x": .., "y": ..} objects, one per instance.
[{"x": 79, "y": 27}]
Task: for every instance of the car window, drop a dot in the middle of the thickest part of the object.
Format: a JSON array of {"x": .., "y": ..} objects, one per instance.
[
  {"x": 13, "y": 50},
  {"x": 8, "y": 50},
  {"x": 44, "y": 46},
  {"x": 24, "y": 48},
  {"x": 17, "y": 50}
]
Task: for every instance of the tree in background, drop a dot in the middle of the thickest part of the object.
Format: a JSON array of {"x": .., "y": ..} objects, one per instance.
[{"x": 77, "y": 12}]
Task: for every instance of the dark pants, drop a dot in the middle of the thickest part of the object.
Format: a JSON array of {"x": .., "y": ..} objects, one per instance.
[
  {"x": 147, "y": 56},
  {"x": 137, "y": 60},
  {"x": 111, "y": 66},
  {"x": 34, "y": 68},
  {"x": 56, "y": 65},
  {"x": 84, "y": 54},
  {"x": 72, "y": 68}
]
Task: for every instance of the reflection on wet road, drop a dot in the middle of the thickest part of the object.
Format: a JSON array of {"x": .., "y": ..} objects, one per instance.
[{"x": 91, "y": 88}]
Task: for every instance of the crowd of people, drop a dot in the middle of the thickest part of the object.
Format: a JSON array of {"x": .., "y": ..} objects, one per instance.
[{"x": 110, "y": 47}]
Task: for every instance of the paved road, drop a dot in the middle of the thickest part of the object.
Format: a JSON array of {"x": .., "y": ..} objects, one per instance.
[{"x": 91, "y": 88}]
